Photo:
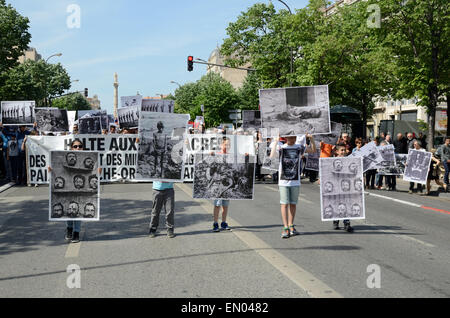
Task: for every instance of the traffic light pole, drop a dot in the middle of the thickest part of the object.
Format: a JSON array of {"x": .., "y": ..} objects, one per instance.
[{"x": 236, "y": 68}]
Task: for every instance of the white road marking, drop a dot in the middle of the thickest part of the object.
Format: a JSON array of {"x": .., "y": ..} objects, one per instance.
[
  {"x": 6, "y": 187},
  {"x": 392, "y": 199},
  {"x": 302, "y": 278}
]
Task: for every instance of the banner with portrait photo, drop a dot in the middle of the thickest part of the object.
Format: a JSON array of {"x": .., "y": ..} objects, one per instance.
[
  {"x": 417, "y": 166},
  {"x": 297, "y": 110},
  {"x": 160, "y": 154},
  {"x": 74, "y": 186},
  {"x": 17, "y": 113},
  {"x": 342, "y": 189}
]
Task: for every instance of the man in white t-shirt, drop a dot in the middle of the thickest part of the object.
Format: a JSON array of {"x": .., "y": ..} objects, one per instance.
[{"x": 289, "y": 178}]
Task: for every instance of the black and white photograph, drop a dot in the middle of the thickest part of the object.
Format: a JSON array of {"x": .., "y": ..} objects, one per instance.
[
  {"x": 417, "y": 166},
  {"x": 51, "y": 120},
  {"x": 251, "y": 119},
  {"x": 290, "y": 164},
  {"x": 398, "y": 169},
  {"x": 387, "y": 152},
  {"x": 331, "y": 138},
  {"x": 128, "y": 117},
  {"x": 95, "y": 113},
  {"x": 268, "y": 163},
  {"x": 90, "y": 126},
  {"x": 341, "y": 188},
  {"x": 371, "y": 156},
  {"x": 312, "y": 160},
  {"x": 74, "y": 186},
  {"x": 160, "y": 154},
  {"x": 130, "y": 101},
  {"x": 18, "y": 113},
  {"x": 222, "y": 177},
  {"x": 296, "y": 110},
  {"x": 158, "y": 105}
]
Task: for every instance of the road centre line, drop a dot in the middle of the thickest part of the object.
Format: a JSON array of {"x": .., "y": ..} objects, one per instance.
[{"x": 305, "y": 280}]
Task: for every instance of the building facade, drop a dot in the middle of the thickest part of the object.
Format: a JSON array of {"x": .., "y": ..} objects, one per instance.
[
  {"x": 234, "y": 76},
  {"x": 30, "y": 54},
  {"x": 95, "y": 102}
]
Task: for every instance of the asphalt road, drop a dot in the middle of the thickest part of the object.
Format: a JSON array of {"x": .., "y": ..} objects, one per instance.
[{"x": 408, "y": 243}]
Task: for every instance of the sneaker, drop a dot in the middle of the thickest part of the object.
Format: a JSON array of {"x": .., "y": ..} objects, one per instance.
[
  {"x": 69, "y": 233},
  {"x": 152, "y": 233},
  {"x": 285, "y": 234},
  {"x": 293, "y": 231},
  {"x": 410, "y": 191},
  {"x": 336, "y": 225},
  {"x": 224, "y": 227},
  {"x": 216, "y": 227},
  {"x": 170, "y": 233},
  {"x": 75, "y": 237}
]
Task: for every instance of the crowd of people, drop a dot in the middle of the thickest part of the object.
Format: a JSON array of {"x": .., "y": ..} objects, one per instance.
[{"x": 13, "y": 168}]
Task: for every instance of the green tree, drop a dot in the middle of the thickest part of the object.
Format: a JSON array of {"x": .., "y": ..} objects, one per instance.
[
  {"x": 36, "y": 81},
  {"x": 14, "y": 37},
  {"x": 259, "y": 37},
  {"x": 418, "y": 33},
  {"x": 75, "y": 101},
  {"x": 248, "y": 94},
  {"x": 216, "y": 94}
]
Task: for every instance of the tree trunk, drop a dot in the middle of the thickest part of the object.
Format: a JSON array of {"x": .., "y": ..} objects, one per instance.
[{"x": 448, "y": 115}]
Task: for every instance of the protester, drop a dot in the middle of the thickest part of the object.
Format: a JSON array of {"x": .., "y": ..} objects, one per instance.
[
  {"x": 341, "y": 152},
  {"x": 345, "y": 140},
  {"x": 5, "y": 138},
  {"x": 410, "y": 141},
  {"x": 112, "y": 129},
  {"x": 371, "y": 175},
  {"x": 289, "y": 183},
  {"x": 12, "y": 155},
  {"x": 433, "y": 173},
  {"x": 73, "y": 227},
  {"x": 444, "y": 153},
  {"x": 163, "y": 196},
  {"x": 417, "y": 146},
  {"x": 224, "y": 204}
]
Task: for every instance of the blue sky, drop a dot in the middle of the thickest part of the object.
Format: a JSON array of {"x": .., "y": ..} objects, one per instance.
[{"x": 145, "y": 41}]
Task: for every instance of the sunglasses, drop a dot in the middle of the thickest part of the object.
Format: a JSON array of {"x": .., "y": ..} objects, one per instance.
[{"x": 77, "y": 147}]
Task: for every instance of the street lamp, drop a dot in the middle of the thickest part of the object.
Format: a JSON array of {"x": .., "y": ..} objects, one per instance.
[
  {"x": 57, "y": 54},
  {"x": 46, "y": 84},
  {"x": 173, "y": 82},
  {"x": 292, "y": 54}
]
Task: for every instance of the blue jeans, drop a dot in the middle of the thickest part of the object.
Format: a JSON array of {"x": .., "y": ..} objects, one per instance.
[
  {"x": 447, "y": 171},
  {"x": 75, "y": 225},
  {"x": 289, "y": 195}
]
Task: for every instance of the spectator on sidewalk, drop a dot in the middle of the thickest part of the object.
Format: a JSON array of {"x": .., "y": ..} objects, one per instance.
[
  {"x": 400, "y": 144},
  {"x": 410, "y": 141},
  {"x": 444, "y": 153}
]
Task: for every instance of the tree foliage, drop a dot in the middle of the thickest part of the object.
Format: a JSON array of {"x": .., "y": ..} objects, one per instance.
[
  {"x": 75, "y": 101},
  {"x": 35, "y": 81}
]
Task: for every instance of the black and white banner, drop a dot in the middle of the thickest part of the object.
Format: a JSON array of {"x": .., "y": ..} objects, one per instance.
[{"x": 117, "y": 155}]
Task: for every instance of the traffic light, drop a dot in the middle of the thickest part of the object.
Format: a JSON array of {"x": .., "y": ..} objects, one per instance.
[
  {"x": 86, "y": 92},
  {"x": 190, "y": 63}
]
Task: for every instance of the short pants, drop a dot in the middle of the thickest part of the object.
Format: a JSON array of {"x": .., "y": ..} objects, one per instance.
[{"x": 289, "y": 195}]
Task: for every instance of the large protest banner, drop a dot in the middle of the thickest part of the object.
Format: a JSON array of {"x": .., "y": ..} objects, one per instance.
[
  {"x": 117, "y": 153},
  {"x": 207, "y": 143},
  {"x": 38, "y": 156}
]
